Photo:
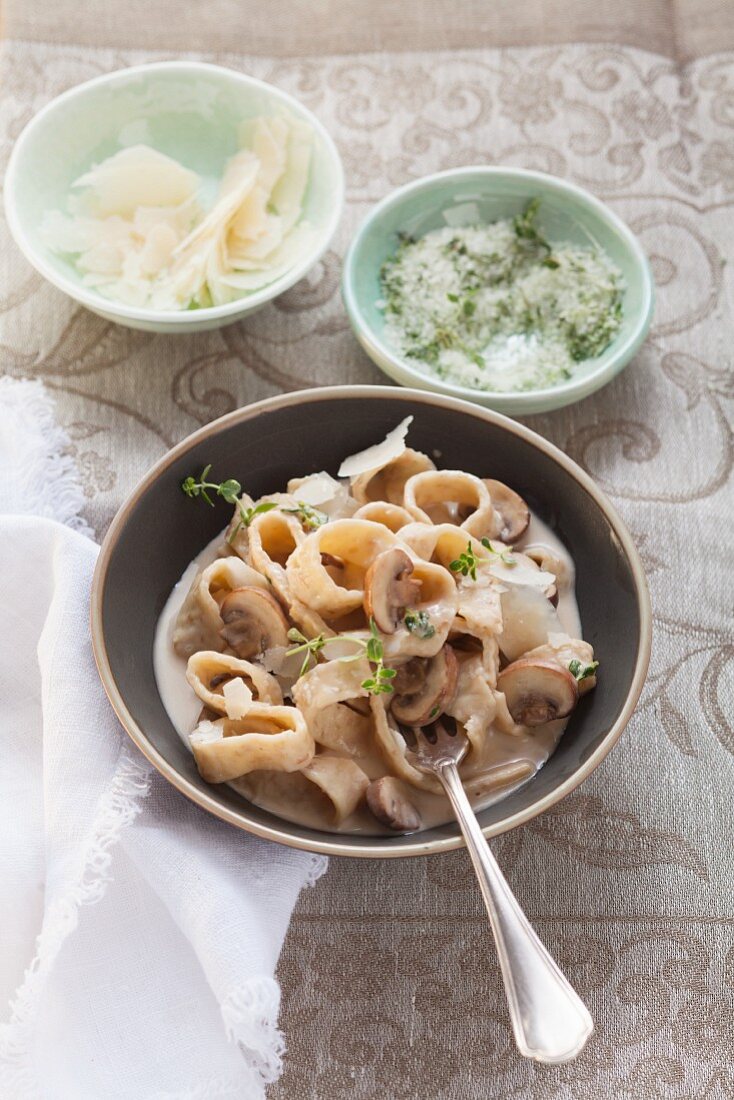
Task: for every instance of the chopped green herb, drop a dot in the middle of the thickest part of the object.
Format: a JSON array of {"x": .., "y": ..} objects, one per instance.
[
  {"x": 582, "y": 672},
  {"x": 419, "y": 623},
  {"x": 525, "y": 227},
  {"x": 493, "y": 307}
]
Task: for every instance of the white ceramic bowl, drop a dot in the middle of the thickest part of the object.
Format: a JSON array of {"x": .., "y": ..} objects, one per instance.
[
  {"x": 567, "y": 213},
  {"x": 192, "y": 112}
]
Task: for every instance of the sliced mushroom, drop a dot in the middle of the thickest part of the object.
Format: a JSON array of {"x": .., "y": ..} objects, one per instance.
[
  {"x": 253, "y": 622},
  {"x": 427, "y": 687},
  {"x": 511, "y": 508},
  {"x": 388, "y": 589},
  {"x": 537, "y": 691},
  {"x": 390, "y": 806}
]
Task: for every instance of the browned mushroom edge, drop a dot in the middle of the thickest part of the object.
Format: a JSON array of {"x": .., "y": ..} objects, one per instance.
[
  {"x": 253, "y": 621},
  {"x": 389, "y": 589},
  {"x": 424, "y": 687},
  {"x": 513, "y": 511},
  {"x": 389, "y": 804},
  {"x": 537, "y": 691}
]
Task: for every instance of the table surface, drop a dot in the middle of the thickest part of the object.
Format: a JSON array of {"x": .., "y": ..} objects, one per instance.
[{"x": 390, "y": 982}]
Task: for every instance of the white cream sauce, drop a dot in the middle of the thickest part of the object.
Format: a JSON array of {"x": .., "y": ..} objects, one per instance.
[{"x": 510, "y": 762}]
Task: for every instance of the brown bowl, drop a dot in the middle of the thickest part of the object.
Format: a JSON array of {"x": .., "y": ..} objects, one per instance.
[{"x": 158, "y": 531}]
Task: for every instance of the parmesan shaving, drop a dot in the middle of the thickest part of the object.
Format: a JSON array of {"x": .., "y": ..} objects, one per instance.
[
  {"x": 205, "y": 733},
  {"x": 137, "y": 176},
  {"x": 373, "y": 458},
  {"x": 139, "y": 236},
  {"x": 522, "y": 572},
  {"x": 316, "y": 489},
  {"x": 237, "y": 697}
]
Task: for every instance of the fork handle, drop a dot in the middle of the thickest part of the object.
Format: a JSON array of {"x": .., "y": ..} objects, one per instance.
[{"x": 550, "y": 1021}]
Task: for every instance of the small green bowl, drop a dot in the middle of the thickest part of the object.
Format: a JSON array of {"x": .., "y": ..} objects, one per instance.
[
  {"x": 567, "y": 213},
  {"x": 190, "y": 111}
]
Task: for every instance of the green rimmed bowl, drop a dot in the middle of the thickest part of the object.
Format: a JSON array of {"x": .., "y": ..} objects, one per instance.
[
  {"x": 192, "y": 112},
  {"x": 567, "y": 213}
]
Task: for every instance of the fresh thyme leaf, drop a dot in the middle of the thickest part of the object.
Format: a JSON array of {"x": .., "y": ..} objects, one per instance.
[
  {"x": 230, "y": 490},
  {"x": 469, "y": 307},
  {"x": 419, "y": 623},
  {"x": 310, "y": 517},
  {"x": 582, "y": 672}
]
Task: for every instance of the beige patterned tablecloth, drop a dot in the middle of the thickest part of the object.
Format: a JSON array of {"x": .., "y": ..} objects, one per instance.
[{"x": 390, "y": 983}]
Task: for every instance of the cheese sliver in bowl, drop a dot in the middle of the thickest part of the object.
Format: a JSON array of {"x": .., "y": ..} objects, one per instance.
[{"x": 138, "y": 232}]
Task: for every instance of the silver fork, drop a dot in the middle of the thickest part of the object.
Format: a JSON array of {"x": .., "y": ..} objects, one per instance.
[{"x": 550, "y": 1021}]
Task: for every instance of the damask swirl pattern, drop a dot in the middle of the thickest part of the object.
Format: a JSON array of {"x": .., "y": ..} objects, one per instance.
[{"x": 390, "y": 984}]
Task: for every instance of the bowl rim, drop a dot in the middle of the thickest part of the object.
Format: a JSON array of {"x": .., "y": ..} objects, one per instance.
[
  {"x": 565, "y": 392},
  {"x": 172, "y": 318},
  {"x": 370, "y": 846}
]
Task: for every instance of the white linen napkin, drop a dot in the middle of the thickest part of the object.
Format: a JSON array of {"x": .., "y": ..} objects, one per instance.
[{"x": 139, "y": 935}]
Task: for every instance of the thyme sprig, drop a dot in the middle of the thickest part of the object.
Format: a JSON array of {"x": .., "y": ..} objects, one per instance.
[
  {"x": 504, "y": 555},
  {"x": 310, "y": 517},
  {"x": 229, "y": 490},
  {"x": 379, "y": 683},
  {"x": 467, "y": 562},
  {"x": 311, "y": 647}
]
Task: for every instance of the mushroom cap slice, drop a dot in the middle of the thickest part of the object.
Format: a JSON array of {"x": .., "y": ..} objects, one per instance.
[
  {"x": 253, "y": 621},
  {"x": 389, "y": 804},
  {"x": 388, "y": 589},
  {"x": 430, "y": 687},
  {"x": 512, "y": 510},
  {"x": 537, "y": 691}
]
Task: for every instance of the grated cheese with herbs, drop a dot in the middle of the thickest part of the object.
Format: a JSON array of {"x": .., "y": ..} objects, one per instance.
[{"x": 496, "y": 307}]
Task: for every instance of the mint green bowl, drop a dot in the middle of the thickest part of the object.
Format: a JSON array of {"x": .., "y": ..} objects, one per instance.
[
  {"x": 567, "y": 213},
  {"x": 192, "y": 112}
]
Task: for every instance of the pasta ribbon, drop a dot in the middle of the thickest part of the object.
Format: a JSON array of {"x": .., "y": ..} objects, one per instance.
[
  {"x": 199, "y": 623},
  {"x": 274, "y": 737},
  {"x": 208, "y": 671}
]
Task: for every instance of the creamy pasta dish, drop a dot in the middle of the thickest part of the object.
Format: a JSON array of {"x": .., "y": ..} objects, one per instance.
[{"x": 306, "y": 647}]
